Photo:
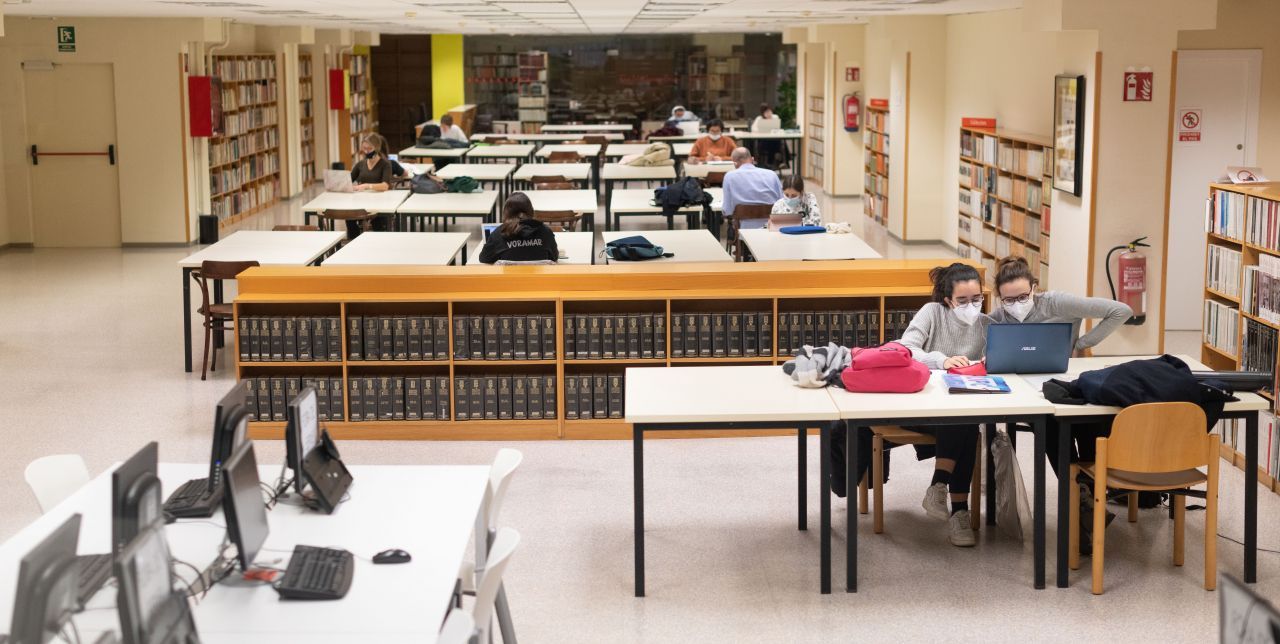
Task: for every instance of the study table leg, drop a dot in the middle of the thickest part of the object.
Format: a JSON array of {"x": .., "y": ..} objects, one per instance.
[
  {"x": 851, "y": 508},
  {"x": 637, "y": 475},
  {"x": 824, "y": 512},
  {"x": 186, "y": 316},
  {"x": 802, "y": 452},
  {"x": 1038, "y": 425},
  {"x": 1250, "y": 498},
  {"x": 1064, "y": 499},
  {"x": 989, "y": 435}
]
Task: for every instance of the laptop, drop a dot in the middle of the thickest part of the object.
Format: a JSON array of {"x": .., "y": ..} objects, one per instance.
[
  {"x": 768, "y": 126},
  {"x": 1029, "y": 348},
  {"x": 690, "y": 128},
  {"x": 337, "y": 181}
]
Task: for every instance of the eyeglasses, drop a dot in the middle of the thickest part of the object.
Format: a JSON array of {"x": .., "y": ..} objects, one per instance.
[
  {"x": 975, "y": 300},
  {"x": 1017, "y": 299}
]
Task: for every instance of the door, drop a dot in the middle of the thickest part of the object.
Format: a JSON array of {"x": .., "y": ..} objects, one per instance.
[
  {"x": 1225, "y": 86},
  {"x": 75, "y": 200}
]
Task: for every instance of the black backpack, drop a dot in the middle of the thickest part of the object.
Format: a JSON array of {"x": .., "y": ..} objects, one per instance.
[{"x": 633, "y": 249}]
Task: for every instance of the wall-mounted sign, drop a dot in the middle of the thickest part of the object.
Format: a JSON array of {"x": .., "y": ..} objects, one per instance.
[
  {"x": 852, "y": 74},
  {"x": 878, "y": 103},
  {"x": 1138, "y": 85},
  {"x": 1189, "y": 121},
  {"x": 66, "y": 39},
  {"x": 978, "y": 123}
]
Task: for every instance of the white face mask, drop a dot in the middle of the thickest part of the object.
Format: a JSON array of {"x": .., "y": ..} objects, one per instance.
[
  {"x": 793, "y": 202},
  {"x": 714, "y": 137},
  {"x": 968, "y": 313},
  {"x": 1020, "y": 310}
]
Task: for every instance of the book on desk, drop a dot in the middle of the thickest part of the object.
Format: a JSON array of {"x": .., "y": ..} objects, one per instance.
[{"x": 957, "y": 384}]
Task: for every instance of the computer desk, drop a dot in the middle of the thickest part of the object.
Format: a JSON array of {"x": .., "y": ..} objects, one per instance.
[
  {"x": 724, "y": 398},
  {"x": 431, "y": 511}
]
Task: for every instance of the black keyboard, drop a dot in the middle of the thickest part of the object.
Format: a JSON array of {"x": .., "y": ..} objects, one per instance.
[
  {"x": 95, "y": 570},
  {"x": 193, "y": 499},
  {"x": 317, "y": 573}
]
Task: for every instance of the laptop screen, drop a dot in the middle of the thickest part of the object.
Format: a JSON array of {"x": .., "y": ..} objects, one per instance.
[{"x": 488, "y": 228}]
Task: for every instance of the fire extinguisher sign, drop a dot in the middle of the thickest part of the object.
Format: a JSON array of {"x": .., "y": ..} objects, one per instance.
[{"x": 1138, "y": 85}]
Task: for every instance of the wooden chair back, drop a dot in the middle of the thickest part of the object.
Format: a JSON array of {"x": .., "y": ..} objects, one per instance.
[
  {"x": 1158, "y": 437},
  {"x": 548, "y": 178},
  {"x": 750, "y": 210},
  {"x": 214, "y": 270},
  {"x": 564, "y": 156},
  {"x": 294, "y": 227},
  {"x": 553, "y": 185},
  {"x": 596, "y": 139},
  {"x": 558, "y": 220},
  {"x": 327, "y": 217},
  {"x": 715, "y": 179}
]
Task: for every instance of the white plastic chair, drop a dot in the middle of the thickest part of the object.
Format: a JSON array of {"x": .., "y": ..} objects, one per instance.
[
  {"x": 491, "y": 582},
  {"x": 54, "y": 478},
  {"x": 504, "y": 465},
  {"x": 460, "y": 628}
]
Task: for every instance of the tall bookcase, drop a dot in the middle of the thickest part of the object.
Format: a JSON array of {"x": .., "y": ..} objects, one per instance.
[
  {"x": 713, "y": 78},
  {"x": 363, "y": 117},
  {"x": 306, "y": 118},
  {"x": 875, "y": 182},
  {"x": 244, "y": 161},
  {"x": 1005, "y": 187},
  {"x": 817, "y": 134},
  {"x": 493, "y": 83},
  {"x": 533, "y": 93}
]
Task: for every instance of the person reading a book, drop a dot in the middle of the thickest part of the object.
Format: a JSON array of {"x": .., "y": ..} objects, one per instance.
[
  {"x": 520, "y": 238},
  {"x": 715, "y": 145}
]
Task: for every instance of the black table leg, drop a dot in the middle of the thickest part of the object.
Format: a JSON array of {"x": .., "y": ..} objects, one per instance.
[
  {"x": 186, "y": 315},
  {"x": 1064, "y": 500},
  {"x": 637, "y": 474},
  {"x": 608, "y": 205},
  {"x": 802, "y": 452},
  {"x": 989, "y": 431},
  {"x": 1250, "y": 498},
  {"x": 824, "y": 511},
  {"x": 1037, "y": 511},
  {"x": 218, "y": 339},
  {"x": 851, "y": 508}
]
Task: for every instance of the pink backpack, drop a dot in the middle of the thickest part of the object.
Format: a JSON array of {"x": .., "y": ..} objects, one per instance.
[{"x": 888, "y": 368}]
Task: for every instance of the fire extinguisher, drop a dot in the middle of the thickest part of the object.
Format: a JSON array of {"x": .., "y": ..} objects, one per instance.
[
  {"x": 1132, "y": 267},
  {"x": 852, "y": 112}
]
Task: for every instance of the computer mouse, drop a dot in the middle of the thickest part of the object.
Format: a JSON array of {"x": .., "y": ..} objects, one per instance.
[{"x": 392, "y": 556}]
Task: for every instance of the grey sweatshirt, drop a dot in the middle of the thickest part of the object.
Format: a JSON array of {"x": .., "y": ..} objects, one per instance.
[
  {"x": 935, "y": 334},
  {"x": 1056, "y": 306}
]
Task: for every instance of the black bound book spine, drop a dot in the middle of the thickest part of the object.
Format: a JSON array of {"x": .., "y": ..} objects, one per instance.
[
  {"x": 570, "y": 336},
  {"x": 442, "y": 397},
  {"x": 263, "y": 398},
  {"x": 304, "y": 339},
  {"x": 873, "y": 322},
  {"x": 796, "y": 338},
  {"x": 607, "y": 337},
  {"x": 659, "y": 335},
  {"x": 461, "y": 346},
  {"x": 784, "y": 335},
  {"x": 677, "y": 335},
  {"x": 692, "y": 343},
  {"x": 429, "y": 402},
  {"x": 475, "y": 336},
  {"x": 355, "y": 399},
  {"x": 370, "y": 398},
  {"x": 386, "y": 408},
  {"x": 333, "y": 338},
  {"x": 734, "y": 321},
  {"x": 809, "y": 329},
  {"x": 646, "y": 335},
  {"x": 849, "y": 321},
  {"x": 255, "y": 338},
  {"x": 520, "y": 337},
  {"x": 860, "y": 320},
  {"x": 633, "y": 335},
  {"x": 570, "y": 397},
  {"x": 600, "y": 395},
  {"x": 506, "y": 339},
  {"x": 491, "y": 398},
  {"x": 519, "y": 398},
  {"x": 595, "y": 336},
  {"x": 620, "y": 336},
  {"x": 535, "y": 397},
  {"x": 750, "y": 335},
  {"x": 335, "y": 398},
  {"x": 355, "y": 338},
  {"x": 292, "y": 387},
  {"x": 398, "y": 398},
  {"x": 413, "y": 339},
  {"x": 278, "y": 399},
  {"x": 321, "y": 386},
  {"x": 585, "y": 397},
  {"x": 475, "y": 397},
  {"x": 491, "y": 342},
  {"x": 706, "y": 331},
  {"x": 245, "y": 332},
  {"x": 582, "y": 337},
  {"x": 765, "y": 325},
  {"x": 615, "y": 395},
  {"x": 533, "y": 336},
  {"x": 837, "y": 327},
  {"x": 320, "y": 339},
  {"x": 442, "y": 338},
  {"x": 427, "y": 341},
  {"x": 548, "y": 337},
  {"x": 548, "y": 397},
  {"x": 277, "y": 339},
  {"x": 371, "y": 343},
  {"x": 822, "y": 329},
  {"x": 412, "y": 398},
  {"x": 387, "y": 338},
  {"x": 461, "y": 397},
  {"x": 504, "y": 398},
  {"x": 719, "y": 335},
  {"x": 291, "y": 339}
]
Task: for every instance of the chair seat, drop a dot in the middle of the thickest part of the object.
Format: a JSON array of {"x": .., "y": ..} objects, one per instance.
[
  {"x": 1149, "y": 481},
  {"x": 902, "y": 435},
  {"x": 225, "y": 310}
]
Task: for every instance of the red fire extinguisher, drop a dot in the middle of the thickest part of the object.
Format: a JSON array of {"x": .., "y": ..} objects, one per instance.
[
  {"x": 1132, "y": 267},
  {"x": 852, "y": 112}
]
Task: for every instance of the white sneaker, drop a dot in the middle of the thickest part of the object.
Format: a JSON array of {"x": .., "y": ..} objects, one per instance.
[
  {"x": 935, "y": 501},
  {"x": 960, "y": 531}
]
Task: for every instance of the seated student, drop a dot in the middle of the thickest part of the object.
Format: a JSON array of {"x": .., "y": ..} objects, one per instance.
[
  {"x": 450, "y": 131},
  {"x": 678, "y": 113},
  {"x": 796, "y": 207},
  {"x": 765, "y": 123},
  {"x": 712, "y": 146},
  {"x": 372, "y": 169},
  {"x": 520, "y": 238},
  {"x": 398, "y": 172},
  {"x": 747, "y": 184}
]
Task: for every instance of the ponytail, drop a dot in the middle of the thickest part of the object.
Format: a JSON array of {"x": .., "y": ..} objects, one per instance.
[{"x": 944, "y": 279}]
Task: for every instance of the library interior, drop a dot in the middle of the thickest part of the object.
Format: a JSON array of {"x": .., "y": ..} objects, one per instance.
[{"x": 907, "y": 261}]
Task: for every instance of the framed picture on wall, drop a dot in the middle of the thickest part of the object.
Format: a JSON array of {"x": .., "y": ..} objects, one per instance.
[{"x": 1068, "y": 146}]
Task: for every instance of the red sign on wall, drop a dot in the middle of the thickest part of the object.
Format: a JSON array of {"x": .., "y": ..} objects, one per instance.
[
  {"x": 880, "y": 103},
  {"x": 978, "y": 123},
  {"x": 852, "y": 74},
  {"x": 1138, "y": 86}
]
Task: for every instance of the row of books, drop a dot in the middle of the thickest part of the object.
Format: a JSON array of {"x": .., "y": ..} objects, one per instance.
[
  {"x": 877, "y": 163},
  {"x": 243, "y": 200},
  {"x": 257, "y": 68},
  {"x": 594, "y": 395},
  {"x": 240, "y": 122},
  {"x": 605, "y": 336},
  {"x": 304, "y": 67},
  {"x": 504, "y": 337},
  {"x": 1222, "y": 326},
  {"x": 1259, "y": 350},
  {"x": 1264, "y": 222},
  {"x": 1222, "y": 269},
  {"x": 846, "y": 328},
  {"x": 1027, "y": 161},
  {"x": 876, "y": 207},
  {"x": 878, "y": 142},
  {"x": 232, "y": 178},
  {"x": 877, "y": 120},
  {"x": 502, "y": 397},
  {"x": 248, "y": 95},
  {"x": 979, "y": 147},
  {"x": 1261, "y": 289},
  {"x": 397, "y": 337},
  {"x": 231, "y": 149},
  {"x": 269, "y": 396},
  {"x": 289, "y": 338},
  {"x": 876, "y": 183},
  {"x": 1225, "y": 215},
  {"x": 1232, "y": 432},
  {"x": 359, "y": 65}
]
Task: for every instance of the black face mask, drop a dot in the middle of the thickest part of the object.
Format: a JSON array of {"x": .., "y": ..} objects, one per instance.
[{"x": 370, "y": 155}]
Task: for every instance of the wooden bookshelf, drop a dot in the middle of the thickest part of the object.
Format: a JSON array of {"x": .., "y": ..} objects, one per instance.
[
  {"x": 306, "y": 118},
  {"x": 493, "y": 83},
  {"x": 362, "y": 118},
  {"x": 533, "y": 94},
  {"x": 875, "y": 182},
  {"x": 1242, "y": 310},
  {"x": 1005, "y": 191},
  {"x": 712, "y": 78},
  {"x": 816, "y": 129},
  {"x": 659, "y": 290},
  {"x": 244, "y": 160}
]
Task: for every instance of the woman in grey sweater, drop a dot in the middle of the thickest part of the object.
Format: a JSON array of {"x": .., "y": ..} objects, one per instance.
[{"x": 1015, "y": 286}]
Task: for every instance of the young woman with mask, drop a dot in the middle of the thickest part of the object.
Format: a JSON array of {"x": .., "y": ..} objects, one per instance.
[
  {"x": 372, "y": 170},
  {"x": 796, "y": 206},
  {"x": 1018, "y": 302}
]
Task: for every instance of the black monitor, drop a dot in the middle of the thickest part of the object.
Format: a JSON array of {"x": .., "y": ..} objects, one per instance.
[
  {"x": 47, "y": 581},
  {"x": 136, "y": 500},
  {"x": 301, "y": 433},
  {"x": 149, "y": 609},
  {"x": 226, "y": 437},
  {"x": 243, "y": 505}
]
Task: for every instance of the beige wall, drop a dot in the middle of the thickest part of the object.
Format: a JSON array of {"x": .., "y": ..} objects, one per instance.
[
  {"x": 845, "y": 47},
  {"x": 1251, "y": 24},
  {"x": 813, "y": 57}
]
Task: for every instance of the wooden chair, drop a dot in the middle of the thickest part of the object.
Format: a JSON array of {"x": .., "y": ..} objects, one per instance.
[
  {"x": 363, "y": 218},
  {"x": 554, "y": 185},
  {"x": 1152, "y": 447},
  {"x": 714, "y": 179},
  {"x": 558, "y": 220},
  {"x": 596, "y": 139},
  {"x": 903, "y": 436},
  {"x": 564, "y": 156},
  {"x": 217, "y": 317},
  {"x": 753, "y": 212},
  {"x": 295, "y": 227}
]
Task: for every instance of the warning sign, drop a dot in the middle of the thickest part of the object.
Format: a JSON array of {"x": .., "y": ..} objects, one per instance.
[{"x": 1189, "y": 122}]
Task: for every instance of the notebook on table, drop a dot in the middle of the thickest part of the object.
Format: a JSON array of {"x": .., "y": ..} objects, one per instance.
[{"x": 975, "y": 384}]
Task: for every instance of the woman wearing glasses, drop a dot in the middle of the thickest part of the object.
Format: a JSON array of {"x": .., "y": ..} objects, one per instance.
[{"x": 1018, "y": 302}]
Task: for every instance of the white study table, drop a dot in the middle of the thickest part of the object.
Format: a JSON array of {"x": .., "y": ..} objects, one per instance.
[
  {"x": 688, "y": 245},
  {"x": 544, "y": 137},
  {"x": 681, "y": 149},
  {"x": 418, "y": 168},
  {"x": 612, "y": 173},
  {"x": 399, "y": 248},
  {"x": 512, "y": 151},
  {"x": 639, "y": 201},
  {"x": 368, "y": 200},
  {"x": 419, "y": 208},
  {"x": 418, "y": 152},
  {"x": 575, "y": 248},
  {"x": 717, "y": 399},
  {"x": 701, "y": 170},
  {"x": 593, "y": 129},
  {"x": 570, "y": 171},
  {"x": 267, "y": 247},
  {"x": 618, "y": 150},
  {"x": 583, "y": 201},
  {"x": 584, "y": 150},
  {"x": 771, "y": 245},
  {"x": 495, "y": 175},
  {"x": 429, "y": 511}
]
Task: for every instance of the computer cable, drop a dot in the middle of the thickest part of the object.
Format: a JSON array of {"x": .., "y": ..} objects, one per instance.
[
  {"x": 1260, "y": 549},
  {"x": 191, "y": 591}
]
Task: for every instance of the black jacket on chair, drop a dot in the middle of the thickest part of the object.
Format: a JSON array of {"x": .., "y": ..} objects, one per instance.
[{"x": 1162, "y": 379}]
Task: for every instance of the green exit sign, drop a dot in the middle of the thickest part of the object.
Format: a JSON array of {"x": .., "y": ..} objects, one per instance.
[{"x": 67, "y": 40}]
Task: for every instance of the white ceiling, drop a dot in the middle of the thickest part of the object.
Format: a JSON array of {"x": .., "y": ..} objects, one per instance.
[{"x": 515, "y": 16}]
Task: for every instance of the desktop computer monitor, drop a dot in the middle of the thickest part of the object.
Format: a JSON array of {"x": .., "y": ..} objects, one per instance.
[
  {"x": 301, "y": 433},
  {"x": 136, "y": 500},
  {"x": 226, "y": 437},
  {"x": 47, "y": 580},
  {"x": 242, "y": 504},
  {"x": 149, "y": 609}
]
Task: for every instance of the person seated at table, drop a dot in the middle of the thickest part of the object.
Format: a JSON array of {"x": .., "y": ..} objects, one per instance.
[
  {"x": 372, "y": 169},
  {"x": 678, "y": 114},
  {"x": 398, "y": 172},
  {"x": 747, "y": 184},
  {"x": 712, "y": 146},
  {"x": 766, "y": 123},
  {"x": 796, "y": 207},
  {"x": 450, "y": 131},
  {"x": 520, "y": 238}
]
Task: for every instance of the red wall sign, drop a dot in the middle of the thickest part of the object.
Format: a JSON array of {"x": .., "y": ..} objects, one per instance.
[
  {"x": 978, "y": 123},
  {"x": 882, "y": 103},
  {"x": 1138, "y": 86},
  {"x": 852, "y": 74},
  {"x": 1189, "y": 124}
]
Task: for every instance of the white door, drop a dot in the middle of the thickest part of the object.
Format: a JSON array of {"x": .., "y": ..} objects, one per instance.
[{"x": 1225, "y": 86}]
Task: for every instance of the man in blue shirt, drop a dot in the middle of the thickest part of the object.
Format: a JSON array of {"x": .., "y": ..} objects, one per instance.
[{"x": 747, "y": 184}]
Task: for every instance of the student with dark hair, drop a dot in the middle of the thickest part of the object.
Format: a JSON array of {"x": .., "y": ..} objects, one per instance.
[
  {"x": 796, "y": 206},
  {"x": 520, "y": 238},
  {"x": 712, "y": 146},
  {"x": 372, "y": 170},
  {"x": 1015, "y": 290},
  {"x": 450, "y": 131}
]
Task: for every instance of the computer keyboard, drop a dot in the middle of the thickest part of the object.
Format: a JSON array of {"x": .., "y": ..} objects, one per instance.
[
  {"x": 317, "y": 573},
  {"x": 95, "y": 570},
  {"x": 193, "y": 499}
]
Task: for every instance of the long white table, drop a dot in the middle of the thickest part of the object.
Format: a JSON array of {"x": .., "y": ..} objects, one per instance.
[
  {"x": 584, "y": 150},
  {"x": 419, "y": 208},
  {"x": 584, "y": 201},
  {"x": 267, "y": 247},
  {"x": 639, "y": 201},
  {"x": 576, "y": 172},
  {"x": 376, "y": 202},
  {"x": 516, "y": 152},
  {"x": 493, "y": 175},
  {"x": 612, "y": 173},
  {"x": 575, "y": 248},
  {"x": 434, "y": 153},
  {"x": 617, "y": 150},
  {"x": 399, "y": 248},
  {"x": 593, "y": 129},
  {"x": 545, "y": 137},
  {"x": 688, "y": 245},
  {"x": 701, "y": 170},
  {"x": 429, "y": 511},
  {"x": 771, "y": 245}
]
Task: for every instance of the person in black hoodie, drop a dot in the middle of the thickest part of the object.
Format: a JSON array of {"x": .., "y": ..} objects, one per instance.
[{"x": 520, "y": 238}]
